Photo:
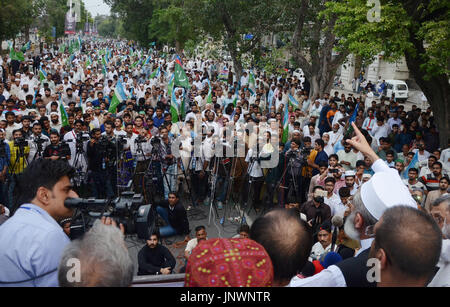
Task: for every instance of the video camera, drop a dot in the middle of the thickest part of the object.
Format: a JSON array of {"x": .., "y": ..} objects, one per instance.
[
  {"x": 107, "y": 147},
  {"x": 20, "y": 142},
  {"x": 128, "y": 210}
]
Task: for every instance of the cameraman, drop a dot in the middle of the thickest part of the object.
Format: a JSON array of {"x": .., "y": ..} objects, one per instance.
[
  {"x": 56, "y": 150},
  {"x": 5, "y": 156},
  {"x": 316, "y": 210},
  {"x": 31, "y": 241},
  {"x": 141, "y": 150},
  {"x": 37, "y": 143},
  {"x": 109, "y": 150},
  {"x": 77, "y": 141},
  {"x": 97, "y": 164},
  {"x": 169, "y": 164},
  {"x": 19, "y": 150},
  {"x": 293, "y": 162}
]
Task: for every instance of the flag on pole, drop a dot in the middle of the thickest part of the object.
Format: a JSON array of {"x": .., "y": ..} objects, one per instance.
[
  {"x": 119, "y": 97},
  {"x": 209, "y": 98},
  {"x": 42, "y": 74},
  {"x": 171, "y": 86},
  {"x": 293, "y": 102},
  {"x": 174, "y": 108},
  {"x": 352, "y": 119},
  {"x": 181, "y": 78},
  {"x": 155, "y": 73},
  {"x": 411, "y": 164},
  {"x": 251, "y": 83},
  {"x": 64, "y": 116},
  {"x": 16, "y": 55},
  {"x": 178, "y": 60},
  {"x": 26, "y": 47},
  {"x": 285, "y": 124},
  {"x": 235, "y": 101},
  {"x": 224, "y": 74}
]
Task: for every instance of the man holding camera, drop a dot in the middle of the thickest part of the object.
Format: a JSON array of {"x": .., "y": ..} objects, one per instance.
[
  {"x": 37, "y": 143},
  {"x": 5, "y": 156},
  {"x": 31, "y": 241},
  {"x": 56, "y": 150},
  {"x": 141, "y": 150},
  {"x": 19, "y": 150},
  {"x": 97, "y": 164}
]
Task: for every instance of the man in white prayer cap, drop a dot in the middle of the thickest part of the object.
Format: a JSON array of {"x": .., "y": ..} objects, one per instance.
[{"x": 384, "y": 190}]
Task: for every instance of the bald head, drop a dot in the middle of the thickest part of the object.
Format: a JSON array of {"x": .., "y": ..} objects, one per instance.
[
  {"x": 287, "y": 241},
  {"x": 411, "y": 241}
]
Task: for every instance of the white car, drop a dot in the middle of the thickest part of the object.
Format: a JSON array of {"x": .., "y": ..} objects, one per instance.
[
  {"x": 399, "y": 88},
  {"x": 298, "y": 73}
]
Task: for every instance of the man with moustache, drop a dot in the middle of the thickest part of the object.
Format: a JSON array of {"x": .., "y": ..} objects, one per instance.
[
  {"x": 369, "y": 204},
  {"x": 154, "y": 258}
]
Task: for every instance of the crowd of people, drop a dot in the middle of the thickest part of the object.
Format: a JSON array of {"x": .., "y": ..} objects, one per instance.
[{"x": 349, "y": 171}]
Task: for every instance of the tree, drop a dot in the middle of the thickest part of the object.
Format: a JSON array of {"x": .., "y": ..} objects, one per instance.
[
  {"x": 136, "y": 17},
  {"x": 314, "y": 43},
  {"x": 171, "y": 25},
  {"x": 232, "y": 20},
  {"x": 17, "y": 16},
  {"x": 418, "y": 30}
]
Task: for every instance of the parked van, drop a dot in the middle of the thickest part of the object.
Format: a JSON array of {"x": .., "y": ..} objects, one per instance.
[{"x": 399, "y": 88}]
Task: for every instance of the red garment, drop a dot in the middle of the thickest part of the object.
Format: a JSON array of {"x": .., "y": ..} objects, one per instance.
[{"x": 229, "y": 263}]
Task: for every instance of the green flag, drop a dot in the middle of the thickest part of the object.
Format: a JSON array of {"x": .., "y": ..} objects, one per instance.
[
  {"x": 16, "y": 55},
  {"x": 181, "y": 78},
  {"x": 64, "y": 117}
]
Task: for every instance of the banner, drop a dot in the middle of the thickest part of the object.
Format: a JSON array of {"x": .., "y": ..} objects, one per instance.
[{"x": 70, "y": 25}]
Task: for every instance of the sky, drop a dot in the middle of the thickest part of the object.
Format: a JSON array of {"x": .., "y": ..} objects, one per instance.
[{"x": 97, "y": 7}]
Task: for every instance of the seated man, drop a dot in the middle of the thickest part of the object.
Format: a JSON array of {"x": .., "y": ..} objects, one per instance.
[
  {"x": 200, "y": 234},
  {"x": 154, "y": 258},
  {"x": 174, "y": 214}
]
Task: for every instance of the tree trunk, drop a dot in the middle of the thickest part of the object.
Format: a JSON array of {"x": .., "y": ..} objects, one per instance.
[
  {"x": 178, "y": 47},
  {"x": 237, "y": 63},
  {"x": 437, "y": 91}
]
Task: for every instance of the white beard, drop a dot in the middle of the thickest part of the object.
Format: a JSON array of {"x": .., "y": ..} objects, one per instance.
[
  {"x": 446, "y": 229},
  {"x": 350, "y": 229}
]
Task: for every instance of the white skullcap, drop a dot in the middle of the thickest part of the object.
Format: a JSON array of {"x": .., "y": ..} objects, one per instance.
[
  {"x": 349, "y": 174},
  {"x": 383, "y": 191},
  {"x": 54, "y": 113},
  {"x": 296, "y": 131}
]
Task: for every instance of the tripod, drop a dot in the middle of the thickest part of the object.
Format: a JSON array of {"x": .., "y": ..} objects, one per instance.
[
  {"x": 16, "y": 168},
  {"x": 80, "y": 174},
  {"x": 213, "y": 191},
  {"x": 293, "y": 183},
  {"x": 231, "y": 176}
]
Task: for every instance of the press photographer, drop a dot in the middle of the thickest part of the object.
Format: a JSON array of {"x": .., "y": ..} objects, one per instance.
[
  {"x": 141, "y": 150},
  {"x": 97, "y": 164},
  {"x": 19, "y": 150},
  {"x": 56, "y": 150},
  {"x": 31, "y": 241},
  {"x": 5, "y": 156},
  {"x": 37, "y": 143}
]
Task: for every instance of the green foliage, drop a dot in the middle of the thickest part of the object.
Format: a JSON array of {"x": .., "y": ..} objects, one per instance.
[
  {"x": 171, "y": 25},
  {"x": 16, "y": 16},
  {"x": 405, "y": 26}
]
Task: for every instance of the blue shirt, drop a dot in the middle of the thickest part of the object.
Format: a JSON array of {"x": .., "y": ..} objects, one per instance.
[
  {"x": 321, "y": 156},
  {"x": 157, "y": 122},
  {"x": 31, "y": 244},
  {"x": 4, "y": 161}
]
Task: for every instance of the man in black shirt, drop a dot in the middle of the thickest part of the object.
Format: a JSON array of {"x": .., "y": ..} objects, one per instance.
[
  {"x": 174, "y": 214},
  {"x": 56, "y": 150},
  {"x": 154, "y": 258},
  {"x": 97, "y": 164}
]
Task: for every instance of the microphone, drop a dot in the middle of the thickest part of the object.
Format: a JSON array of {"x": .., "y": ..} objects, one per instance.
[{"x": 337, "y": 222}]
